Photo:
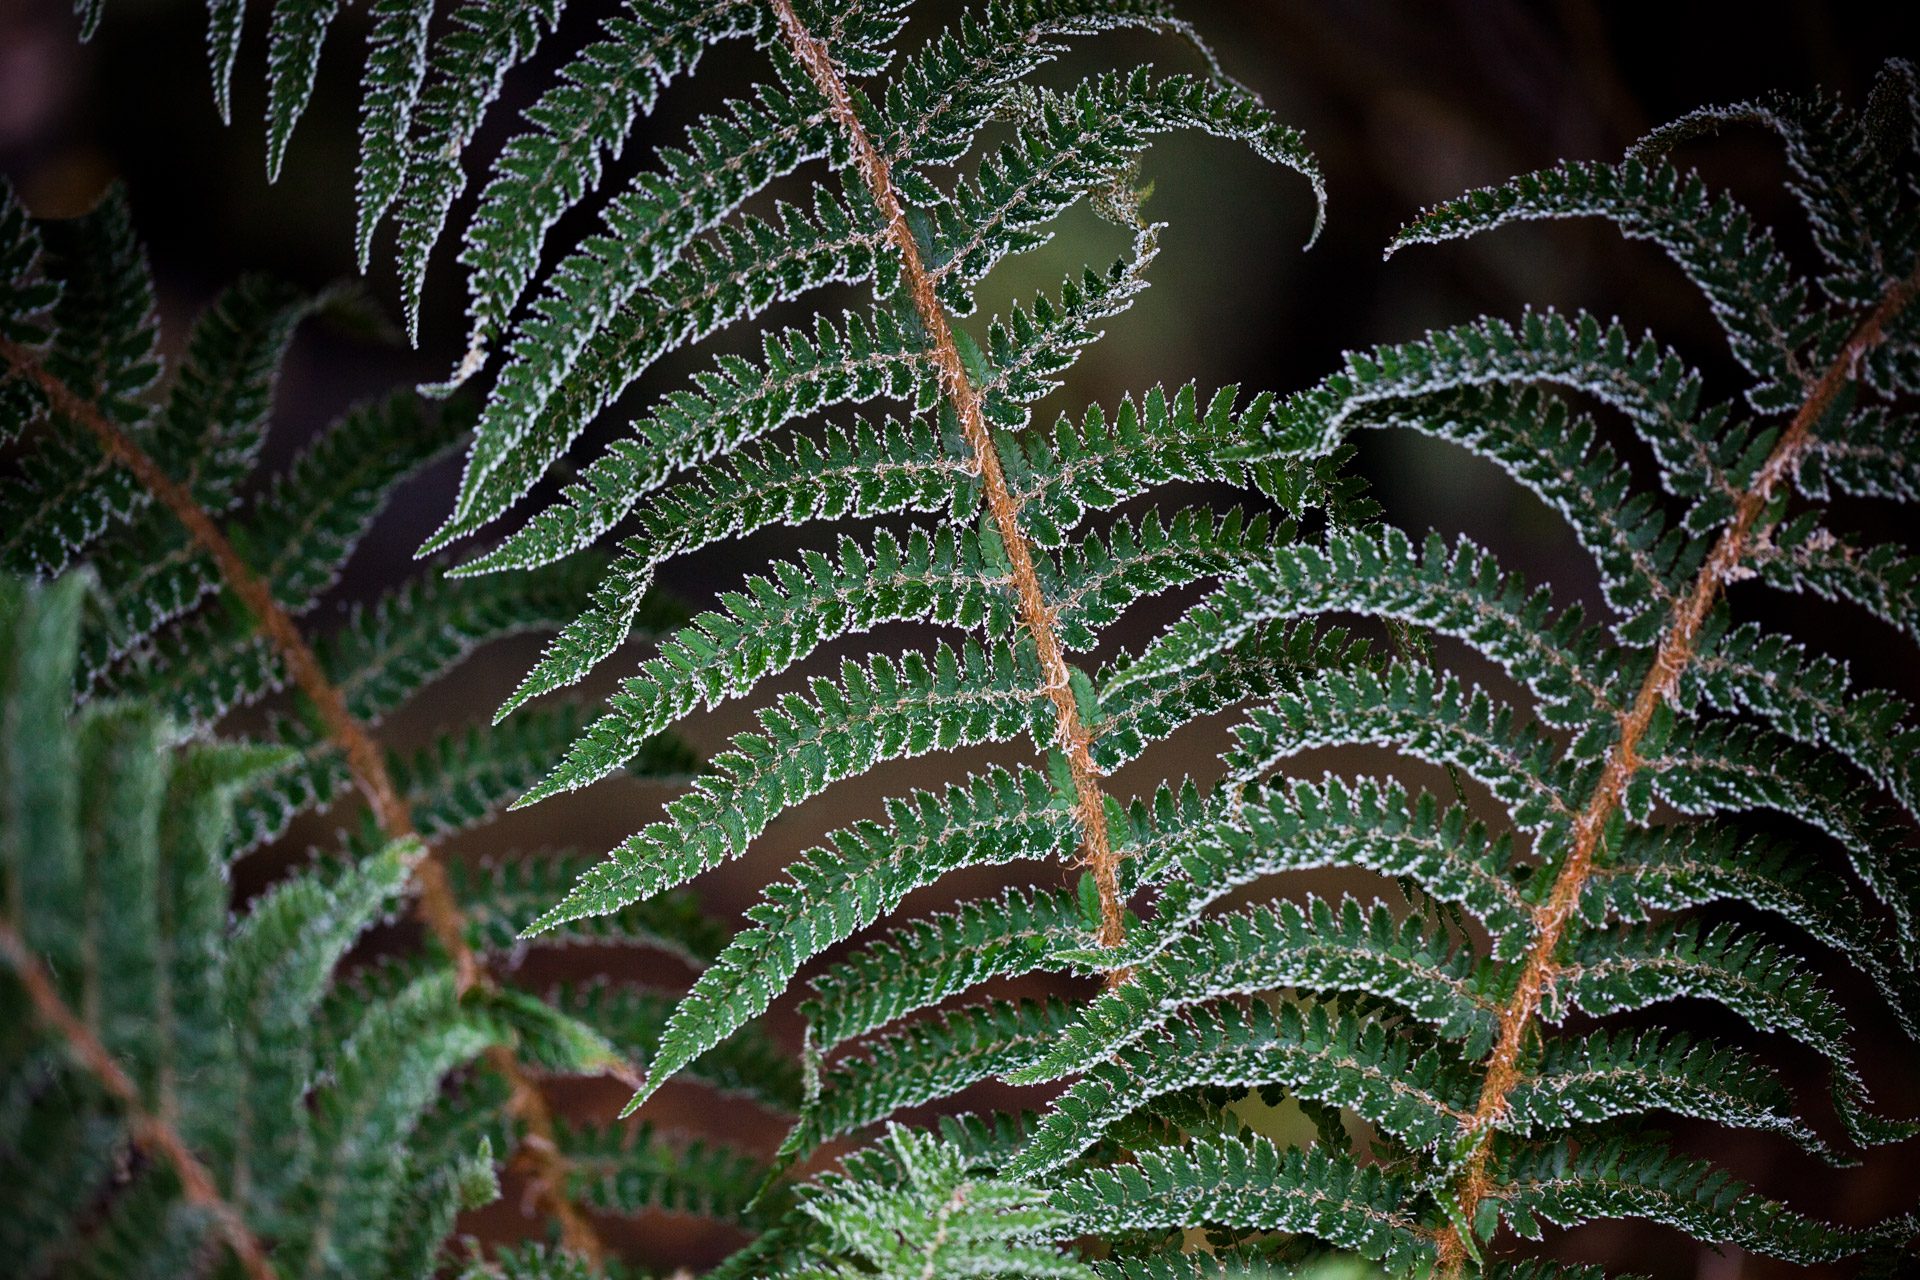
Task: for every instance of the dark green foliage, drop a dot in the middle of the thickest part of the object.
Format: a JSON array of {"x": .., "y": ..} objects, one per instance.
[
  {"x": 1624, "y": 773},
  {"x": 298, "y": 1090},
  {"x": 116, "y": 879}
]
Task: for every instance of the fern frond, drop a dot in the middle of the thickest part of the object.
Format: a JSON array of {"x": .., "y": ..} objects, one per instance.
[
  {"x": 208, "y": 432},
  {"x": 123, "y": 783},
  {"x": 739, "y": 272},
  {"x": 390, "y": 87},
  {"x": 1536, "y": 440},
  {"x": 500, "y": 898},
  {"x": 1805, "y": 556},
  {"x": 777, "y": 621},
  {"x": 311, "y": 778},
  {"x": 1109, "y": 118},
  {"x": 89, "y": 277},
  {"x": 27, "y": 292},
  {"x": 1090, "y": 585},
  {"x": 858, "y": 361},
  {"x": 923, "y": 962},
  {"x": 1609, "y": 973},
  {"x": 463, "y": 77},
  {"x": 387, "y": 652},
  {"x": 149, "y": 1230},
  {"x": 1872, "y": 454},
  {"x": 578, "y": 124},
  {"x": 1582, "y": 1082},
  {"x": 1807, "y": 697},
  {"x": 105, "y": 331},
  {"x": 1319, "y": 946},
  {"x": 1430, "y": 717},
  {"x": 622, "y": 1169},
  {"x": 433, "y": 1197},
  {"x": 731, "y": 154},
  {"x": 278, "y": 965},
  {"x": 1841, "y": 172},
  {"x": 1653, "y": 387},
  {"x": 1418, "y": 1091},
  {"x": 1757, "y": 297},
  {"x": 955, "y": 698},
  {"x": 747, "y": 1064},
  {"x": 1252, "y": 1182},
  {"x": 1616, "y": 1180},
  {"x": 936, "y": 1215},
  {"x": 382, "y": 1078},
  {"x": 864, "y": 872},
  {"x": 1712, "y": 767},
  {"x": 306, "y": 526},
  {"x": 293, "y": 60},
  {"x": 299, "y": 535},
  {"x": 543, "y": 1035},
  {"x": 1462, "y": 593},
  {"x": 671, "y": 526},
  {"x": 1705, "y": 864},
  {"x": 215, "y": 419},
  {"x": 463, "y": 779},
  {"x": 1267, "y": 660},
  {"x": 1373, "y": 824}
]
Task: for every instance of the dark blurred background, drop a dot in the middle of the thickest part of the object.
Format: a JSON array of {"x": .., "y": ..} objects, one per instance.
[{"x": 1404, "y": 102}]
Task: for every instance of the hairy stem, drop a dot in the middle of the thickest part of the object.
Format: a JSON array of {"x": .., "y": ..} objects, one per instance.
[
  {"x": 437, "y": 907},
  {"x": 1074, "y": 738},
  {"x": 1678, "y": 648},
  {"x": 149, "y": 1130}
]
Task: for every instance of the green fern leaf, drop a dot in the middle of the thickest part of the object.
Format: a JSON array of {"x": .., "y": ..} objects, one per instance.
[
  {"x": 582, "y": 120},
  {"x": 1883, "y": 580},
  {"x": 1612, "y": 1180},
  {"x": 463, "y": 77},
  {"x": 923, "y": 962},
  {"x": 778, "y": 621},
  {"x": 278, "y": 964},
  {"x": 499, "y": 899},
  {"x": 624, "y": 1170},
  {"x": 293, "y": 60},
  {"x": 864, "y": 872},
  {"x": 389, "y": 92},
  {"x": 1364, "y": 822},
  {"x": 1755, "y": 295},
  {"x": 747, "y": 1064},
  {"x": 885, "y": 710},
  {"x": 1582, "y": 1082},
  {"x": 382, "y": 1078},
  {"x": 1320, "y": 1193},
  {"x": 1419, "y": 1091},
  {"x": 1319, "y": 946},
  {"x": 1649, "y": 964}
]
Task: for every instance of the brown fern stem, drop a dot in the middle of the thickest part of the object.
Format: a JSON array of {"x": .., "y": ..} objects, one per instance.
[
  {"x": 1677, "y": 650},
  {"x": 1074, "y": 738},
  {"x": 437, "y": 907},
  {"x": 149, "y": 1130}
]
